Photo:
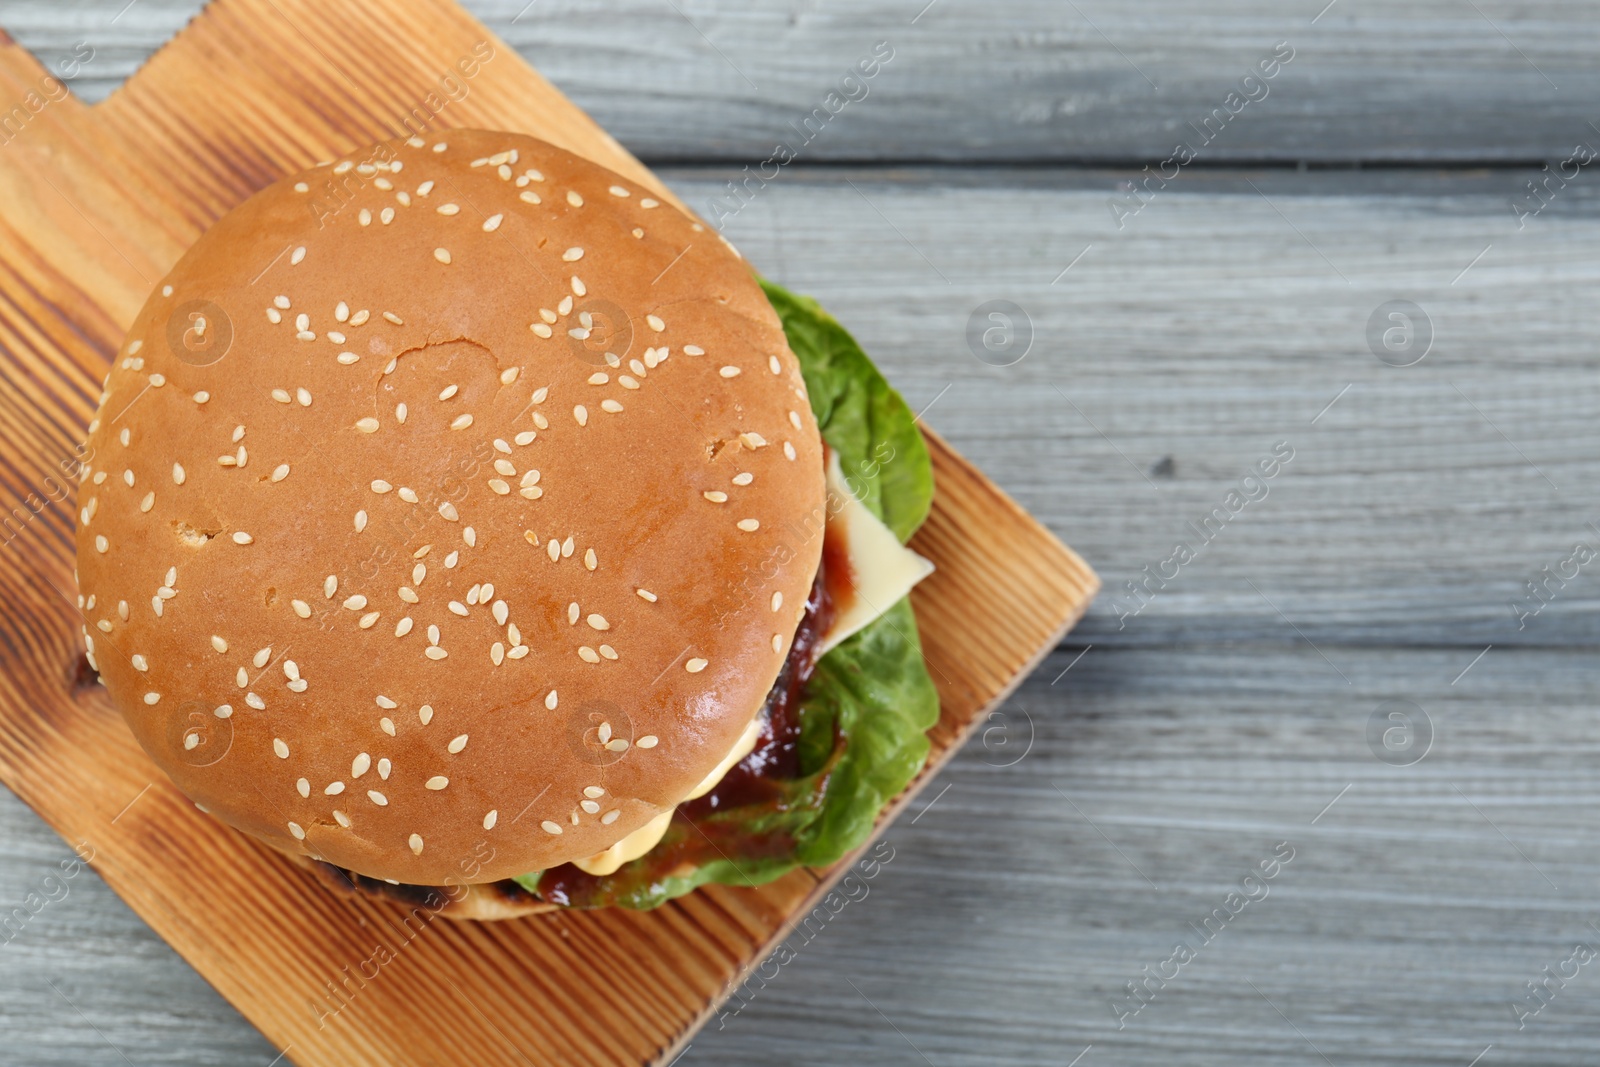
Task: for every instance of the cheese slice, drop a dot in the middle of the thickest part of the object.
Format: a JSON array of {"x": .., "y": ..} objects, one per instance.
[{"x": 882, "y": 570}]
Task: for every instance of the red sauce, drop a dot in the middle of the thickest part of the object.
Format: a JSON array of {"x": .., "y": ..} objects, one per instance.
[{"x": 836, "y": 573}]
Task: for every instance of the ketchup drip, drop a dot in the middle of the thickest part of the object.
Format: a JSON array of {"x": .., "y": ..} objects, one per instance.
[{"x": 763, "y": 780}]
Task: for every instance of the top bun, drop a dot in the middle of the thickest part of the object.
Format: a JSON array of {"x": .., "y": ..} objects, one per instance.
[{"x": 450, "y": 510}]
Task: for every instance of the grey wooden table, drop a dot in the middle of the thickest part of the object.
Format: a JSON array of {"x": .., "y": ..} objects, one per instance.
[{"x": 1346, "y": 667}]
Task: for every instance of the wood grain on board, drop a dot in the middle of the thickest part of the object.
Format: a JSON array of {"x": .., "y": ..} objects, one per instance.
[{"x": 96, "y": 203}]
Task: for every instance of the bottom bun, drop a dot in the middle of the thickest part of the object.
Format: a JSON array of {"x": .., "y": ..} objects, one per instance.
[{"x": 485, "y": 902}]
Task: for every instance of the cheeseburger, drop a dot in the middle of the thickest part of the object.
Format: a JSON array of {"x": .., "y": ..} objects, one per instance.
[{"x": 470, "y": 525}]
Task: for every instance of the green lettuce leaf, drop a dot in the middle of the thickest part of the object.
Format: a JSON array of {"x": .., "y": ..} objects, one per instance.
[
  {"x": 881, "y": 451},
  {"x": 866, "y": 710}
]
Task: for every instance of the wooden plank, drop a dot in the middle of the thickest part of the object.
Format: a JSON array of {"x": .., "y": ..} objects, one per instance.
[
  {"x": 224, "y": 109},
  {"x": 1022, "y": 80},
  {"x": 1400, "y": 933},
  {"x": 1222, "y": 319}
]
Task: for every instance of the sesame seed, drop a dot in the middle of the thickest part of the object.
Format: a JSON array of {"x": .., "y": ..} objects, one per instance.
[
  {"x": 434, "y": 652},
  {"x": 552, "y": 548},
  {"x": 590, "y": 561},
  {"x": 262, "y": 656},
  {"x": 442, "y": 255},
  {"x": 241, "y": 677},
  {"x": 610, "y": 406},
  {"x": 448, "y": 510},
  {"x": 574, "y": 199},
  {"x": 356, "y": 603},
  {"x": 550, "y": 700},
  {"x": 369, "y": 619},
  {"x": 695, "y": 666},
  {"x": 280, "y": 747},
  {"x": 361, "y": 521},
  {"x": 608, "y": 652},
  {"x": 693, "y": 350},
  {"x": 749, "y": 525},
  {"x": 645, "y": 594},
  {"x": 426, "y": 187},
  {"x": 509, "y": 375},
  {"x": 578, "y": 287},
  {"x": 566, "y": 547},
  {"x": 303, "y": 396},
  {"x": 409, "y": 595},
  {"x": 377, "y": 798},
  {"x": 360, "y": 318},
  {"x": 716, "y": 496},
  {"x": 178, "y": 474},
  {"x": 492, "y": 223},
  {"x": 541, "y": 330},
  {"x": 201, "y": 397},
  {"x": 334, "y": 789},
  {"x": 648, "y": 741},
  {"x": 752, "y": 440},
  {"x": 540, "y": 421},
  {"x": 415, "y": 841},
  {"x": 448, "y": 209},
  {"x": 573, "y": 613},
  {"x": 425, "y": 714},
  {"x": 393, "y": 318},
  {"x": 347, "y": 358},
  {"x": 281, "y": 396},
  {"x": 617, "y": 744},
  {"x": 610, "y": 817},
  {"x": 528, "y": 196},
  {"x": 551, "y": 827},
  {"x": 581, "y": 414},
  {"x": 274, "y": 316},
  {"x": 280, "y": 472},
  {"x": 385, "y": 724},
  {"x": 367, "y": 425},
  {"x": 457, "y": 744},
  {"x": 240, "y": 538},
  {"x": 743, "y": 478},
  {"x": 489, "y": 819},
  {"x": 341, "y": 818},
  {"x": 788, "y": 451},
  {"x": 408, "y": 495},
  {"x": 298, "y": 255},
  {"x": 647, "y": 203},
  {"x": 437, "y": 782},
  {"x": 330, "y": 586},
  {"x": 589, "y": 806},
  {"x": 360, "y": 765},
  {"x": 726, "y": 372},
  {"x": 403, "y": 627},
  {"x": 598, "y": 622},
  {"x": 588, "y": 655},
  {"x": 148, "y": 502},
  {"x": 140, "y": 663},
  {"x": 299, "y": 834},
  {"x": 461, "y": 422},
  {"x": 458, "y": 607},
  {"x": 255, "y": 701},
  {"x": 301, "y": 608},
  {"x": 281, "y": 302},
  {"x": 572, "y": 255},
  {"x": 380, "y": 486},
  {"x": 303, "y": 787},
  {"x": 341, "y": 312},
  {"x": 218, "y": 643},
  {"x": 501, "y": 612},
  {"x": 774, "y": 365}
]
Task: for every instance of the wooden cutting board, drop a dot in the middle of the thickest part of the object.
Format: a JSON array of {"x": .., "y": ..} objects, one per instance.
[{"x": 96, "y": 204}]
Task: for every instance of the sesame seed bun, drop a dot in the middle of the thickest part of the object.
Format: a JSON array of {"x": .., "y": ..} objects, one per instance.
[{"x": 450, "y": 510}]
